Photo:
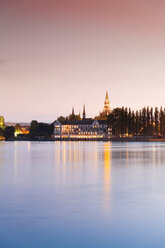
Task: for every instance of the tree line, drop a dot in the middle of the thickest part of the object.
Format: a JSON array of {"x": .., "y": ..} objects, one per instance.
[
  {"x": 123, "y": 122},
  {"x": 71, "y": 117},
  {"x": 145, "y": 122},
  {"x": 37, "y": 131},
  {"x": 7, "y": 132},
  {"x": 40, "y": 131}
]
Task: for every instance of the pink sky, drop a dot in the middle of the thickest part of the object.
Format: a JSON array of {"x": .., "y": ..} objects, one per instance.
[{"x": 56, "y": 54}]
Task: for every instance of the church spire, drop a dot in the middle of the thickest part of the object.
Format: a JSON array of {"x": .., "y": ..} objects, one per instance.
[
  {"x": 107, "y": 98},
  {"x": 84, "y": 113},
  {"x": 72, "y": 111},
  {"x": 106, "y": 109}
]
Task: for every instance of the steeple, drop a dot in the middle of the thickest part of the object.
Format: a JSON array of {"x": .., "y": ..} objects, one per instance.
[
  {"x": 107, "y": 98},
  {"x": 72, "y": 111},
  {"x": 106, "y": 109},
  {"x": 84, "y": 113}
]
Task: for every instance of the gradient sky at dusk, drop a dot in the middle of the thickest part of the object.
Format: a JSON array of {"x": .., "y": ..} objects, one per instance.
[{"x": 56, "y": 54}]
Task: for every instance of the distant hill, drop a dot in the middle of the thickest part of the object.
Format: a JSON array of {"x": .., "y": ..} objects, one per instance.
[{"x": 20, "y": 123}]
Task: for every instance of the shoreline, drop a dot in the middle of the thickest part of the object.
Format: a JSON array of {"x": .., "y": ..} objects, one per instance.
[{"x": 101, "y": 140}]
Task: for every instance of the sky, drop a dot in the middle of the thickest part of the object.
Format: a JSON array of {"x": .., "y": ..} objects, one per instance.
[{"x": 59, "y": 54}]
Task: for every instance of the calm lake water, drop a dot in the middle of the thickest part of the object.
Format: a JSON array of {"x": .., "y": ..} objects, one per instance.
[{"x": 82, "y": 194}]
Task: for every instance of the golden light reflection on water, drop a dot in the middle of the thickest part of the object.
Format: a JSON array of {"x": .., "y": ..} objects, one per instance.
[
  {"x": 96, "y": 152},
  {"x": 70, "y": 155},
  {"x": 29, "y": 144},
  {"x": 16, "y": 159},
  {"x": 64, "y": 152},
  {"x": 107, "y": 175},
  {"x": 76, "y": 152},
  {"x": 1, "y": 152},
  {"x": 57, "y": 152},
  {"x": 127, "y": 153},
  {"x": 15, "y": 156},
  {"x": 72, "y": 152},
  {"x": 153, "y": 156},
  {"x": 1, "y": 158}
]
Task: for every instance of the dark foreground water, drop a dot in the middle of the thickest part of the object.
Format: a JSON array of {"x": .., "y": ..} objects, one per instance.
[{"x": 82, "y": 194}]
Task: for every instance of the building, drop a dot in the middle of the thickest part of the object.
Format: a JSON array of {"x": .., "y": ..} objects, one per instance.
[
  {"x": 107, "y": 109},
  {"x": 2, "y": 122},
  {"x": 21, "y": 130},
  {"x": 83, "y": 129}
]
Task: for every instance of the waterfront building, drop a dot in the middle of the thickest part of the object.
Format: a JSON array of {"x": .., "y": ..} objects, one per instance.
[
  {"x": 21, "y": 130},
  {"x": 2, "y": 122},
  {"x": 84, "y": 113},
  {"x": 83, "y": 129},
  {"x": 107, "y": 109}
]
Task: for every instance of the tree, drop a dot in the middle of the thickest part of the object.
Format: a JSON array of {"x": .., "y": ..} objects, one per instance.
[
  {"x": 161, "y": 122},
  {"x": 62, "y": 119},
  {"x": 125, "y": 121},
  {"x": 33, "y": 129},
  {"x": 122, "y": 128},
  {"x": 152, "y": 122},
  {"x": 129, "y": 122},
  {"x": 137, "y": 123},
  {"x": 18, "y": 127},
  {"x": 1, "y": 131},
  {"x": 9, "y": 133},
  {"x": 144, "y": 121},
  {"x": 156, "y": 121},
  {"x": 74, "y": 117},
  {"x": 38, "y": 130},
  {"x": 114, "y": 121},
  {"x": 133, "y": 123},
  {"x": 148, "y": 122}
]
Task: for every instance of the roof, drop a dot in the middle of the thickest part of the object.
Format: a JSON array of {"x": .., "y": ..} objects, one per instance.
[
  {"x": 87, "y": 121},
  {"x": 102, "y": 122}
]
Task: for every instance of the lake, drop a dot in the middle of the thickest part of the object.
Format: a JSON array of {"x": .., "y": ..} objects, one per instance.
[{"x": 82, "y": 194}]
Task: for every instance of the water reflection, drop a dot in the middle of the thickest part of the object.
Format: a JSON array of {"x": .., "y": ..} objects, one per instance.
[
  {"x": 1, "y": 153},
  {"x": 15, "y": 158},
  {"x": 73, "y": 152},
  {"x": 70, "y": 151},
  {"x": 111, "y": 193},
  {"x": 139, "y": 153},
  {"x": 1, "y": 159},
  {"x": 29, "y": 144},
  {"x": 73, "y": 159},
  {"x": 107, "y": 175},
  {"x": 57, "y": 152},
  {"x": 64, "y": 152}
]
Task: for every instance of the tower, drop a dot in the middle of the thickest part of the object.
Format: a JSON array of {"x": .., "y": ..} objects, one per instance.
[
  {"x": 2, "y": 122},
  {"x": 84, "y": 113},
  {"x": 72, "y": 111},
  {"x": 106, "y": 109}
]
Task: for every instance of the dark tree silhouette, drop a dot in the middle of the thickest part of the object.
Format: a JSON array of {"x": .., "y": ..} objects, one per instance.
[{"x": 144, "y": 122}]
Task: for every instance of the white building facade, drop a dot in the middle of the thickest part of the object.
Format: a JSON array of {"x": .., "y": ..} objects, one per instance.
[{"x": 83, "y": 129}]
